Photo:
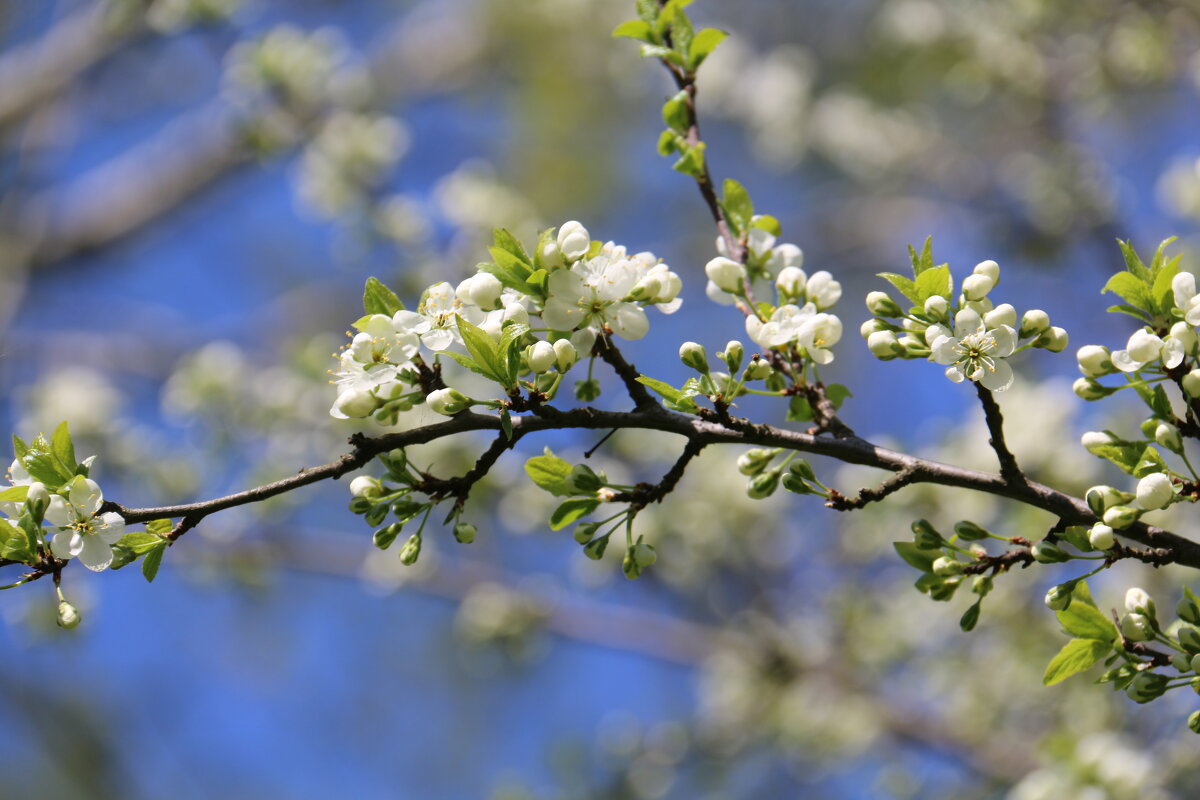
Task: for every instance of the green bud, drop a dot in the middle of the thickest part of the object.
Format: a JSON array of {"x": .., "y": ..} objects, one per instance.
[
  {"x": 1137, "y": 628},
  {"x": 1195, "y": 664},
  {"x": 1194, "y": 721},
  {"x": 1146, "y": 686},
  {"x": 1168, "y": 436},
  {"x": 803, "y": 469},
  {"x": 881, "y": 305},
  {"x": 1090, "y": 389},
  {"x": 923, "y": 526},
  {"x": 360, "y": 505},
  {"x": 595, "y": 548},
  {"x": 982, "y": 585},
  {"x": 465, "y": 532},
  {"x": 946, "y": 589},
  {"x": 969, "y": 531},
  {"x": 1059, "y": 597},
  {"x": 755, "y": 460},
  {"x": 1139, "y": 601},
  {"x": 694, "y": 356},
  {"x": 733, "y": 355},
  {"x": 1188, "y": 610},
  {"x": 947, "y": 566},
  {"x": 926, "y": 538},
  {"x": 1181, "y": 662},
  {"x": 588, "y": 390},
  {"x": 68, "y": 615},
  {"x": 384, "y": 537},
  {"x": 1119, "y": 517},
  {"x": 583, "y": 479},
  {"x": 376, "y": 514},
  {"x": 1189, "y": 638},
  {"x": 411, "y": 550},
  {"x": 757, "y": 370},
  {"x": 763, "y": 485},
  {"x": 795, "y": 484},
  {"x": 1048, "y": 553},
  {"x": 584, "y": 531},
  {"x": 1148, "y": 427},
  {"x": 1102, "y": 498}
]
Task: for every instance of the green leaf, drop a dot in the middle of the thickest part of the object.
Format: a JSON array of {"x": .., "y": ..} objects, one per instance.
[
  {"x": 916, "y": 557},
  {"x": 14, "y": 494},
  {"x": 483, "y": 349},
  {"x": 668, "y": 142},
  {"x": 549, "y": 472},
  {"x": 14, "y": 543},
  {"x": 935, "y": 281},
  {"x": 1083, "y": 620},
  {"x": 924, "y": 261},
  {"x": 511, "y": 245},
  {"x": 469, "y": 363},
  {"x": 1131, "y": 289},
  {"x": 1149, "y": 462},
  {"x": 512, "y": 277},
  {"x": 837, "y": 394},
  {"x": 691, "y": 160},
  {"x": 648, "y": 10},
  {"x": 1157, "y": 263},
  {"x": 674, "y": 399},
  {"x": 20, "y": 449},
  {"x": 121, "y": 557},
  {"x": 799, "y": 409},
  {"x": 675, "y": 112},
  {"x": 1132, "y": 262},
  {"x": 1162, "y": 293},
  {"x": 970, "y": 618},
  {"x": 681, "y": 34},
  {"x": 703, "y": 43},
  {"x": 737, "y": 205},
  {"x": 63, "y": 448},
  {"x": 1125, "y": 455},
  {"x": 635, "y": 29},
  {"x": 379, "y": 299},
  {"x": 572, "y": 510},
  {"x": 152, "y": 561},
  {"x": 140, "y": 542},
  {"x": 906, "y": 286},
  {"x": 506, "y": 423},
  {"x": 1156, "y": 398},
  {"x": 768, "y": 223},
  {"x": 1122, "y": 308},
  {"x": 160, "y": 526},
  {"x": 1076, "y": 656},
  {"x": 44, "y": 467},
  {"x": 663, "y": 52}
]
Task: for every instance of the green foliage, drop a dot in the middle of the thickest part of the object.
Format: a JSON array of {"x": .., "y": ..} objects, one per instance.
[{"x": 379, "y": 299}]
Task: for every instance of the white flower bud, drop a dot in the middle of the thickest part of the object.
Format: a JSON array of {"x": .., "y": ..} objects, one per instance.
[
  {"x": 365, "y": 486},
  {"x": 1102, "y": 498},
  {"x": 1139, "y": 601},
  {"x": 1003, "y": 314},
  {"x": 1055, "y": 339},
  {"x": 1101, "y": 536},
  {"x": 880, "y": 304},
  {"x": 756, "y": 460},
  {"x": 1120, "y": 517},
  {"x": 37, "y": 495},
  {"x": 1094, "y": 440},
  {"x": 871, "y": 326},
  {"x": 1168, "y": 436},
  {"x": 733, "y": 354},
  {"x": 541, "y": 356},
  {"x": 1058, "y": 598},
  {"x": 464, "y": 532},
  {"x": 693, "y": 355},
  {"x": 1094, "y": 360},
  {"x": 565, "y": 354},
  {"x": 1136, "y": 628},
  {"x": 1155, "y": 491},
  {"x": 447, "y": 401},
  {"x": 976, "y": 287},
  {"x": 68, "y": 615},
  {"x": 726, "y": 273},
  {"x": 937, "y": 307},
  {"x": 946, "y": 566},
  {"x": 1185, "y": 334},
  {"x": 551, "y": 256},
  {"x": 757, "y": 370},
  {"x": 989, "y": 268},
  {"x": 515, "y": 312},
  {"x": 354, "y": 403},
  {"x": 1191, "y": 384},
  {"x": 1034, "y": 322},
  {"x": 791, "y": 281},
  {"x": 1143, "y": 346},
  {"x": 1089, "y": 389},
  {"x": 884, "y": 344},
  {"x": 573, "y": 240},
  {"x": 823, "y": 291},
  {"x": 482, "y": 289}
]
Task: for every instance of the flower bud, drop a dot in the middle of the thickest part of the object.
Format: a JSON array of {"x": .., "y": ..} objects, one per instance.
[
  {"x": 884, "y": 345},
  {"x": 1191, "y": 384},
  {"x": 541, "y": 356},
  {"x": 584, "y": 532},
  {"x": 881, "y": 305},
  {"x": 1146, "y": 686},
  {"x": 354, "y": 404},
  {"x": 68, "y": 615},
  {"x": 1093, "y": 441},
  {"x": 565, "y": 355},
  {"x": 693, "y": 355},
  {"x": 365, "y": 486},
  {"x": 1094, "y": 360},
  {"x": 447, "y": 401},
  {"x": 595, "y": 548},
  {"x": 384, "y": 537},
  {"x": 573, "y": 240},
  {"x": 1155, "y": 491},
  {"x": 482, "y": 289},
  {"x": 989, "y": 268},
  {"x": 791, "y": 282},
  {"x": 1034, "y": 322},
  {"x": 982, "y": 585},
  {"x": 763, "y": 484},
  {"x": 1139, "y": 601},
  {"x": 802, "y": 468},
  {"x": 969, "y": 531},
  {"x": 872, "y": 325},
  {"x": 1194, "y": 722},
  {"x": 1003, "y": 314},
  {"x": 360, "y": 505},
  {"x": 1102, "y": 498},
  {"x": 1119, "y": 517},
  {"x": 1188, "y": 610},
  {"x": 937, "y": 307},
  {"x": 1048, "y": 553},
  {"x": 976, "y": 287},
  {"x": 1185, "y": 334},
  {"x": 1195, "y": 665},
  {"x": 1136, "y": 628},
  {"x": 1089, "y": 389},
  {"x": 1168, "y": 436},
  {"x": 795, "y": 484},
  {"x": 733, "y": 355},
  {"x": 465, "y": 532},
  {"x": 37, "y": 498},
  {"x": 756, "y": 460},
  {"x": 1181, "y": 662},
  {"x": 926, "y": 538},
  {"x": 1053, "y": 339},
  {"x": 551, "y": 256},
  {"x": 1101, "y": 536},
  {"x": 726, "y": 273},
  {"x": 515, "y": 312},
  {"x": 946, "y": 566},
  {"x": 758, "y": 369},
  {"x": 411, "y": 551},
  {"x": 1189, "y": 638},
  {"x": 1059, "y": 597}
]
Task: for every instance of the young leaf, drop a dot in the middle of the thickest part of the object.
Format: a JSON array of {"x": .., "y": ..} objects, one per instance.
[
  {"x": 160, "y": 526},
  {"x": 506, "y": 423},
  {"x": 140, "y": 542},
  {"x": 799, "y": 409},
  {"x": 837, "y": 394},
  {"x": 924, "y": 261},
  {"x": 768, "y": 223},
  {"x": 549, "y": 472},
  {"x": 916, "y": 557},
  {"x": 1076, "y": 656},
  {"x": 906, "y": 286},
  {"x": 635, "y": 29},
  {"x": 20, "y": 449},
  {"x": 1085, "y": 621},
  {"x": 14, "y": 494},
  {"x": 675, "y": 112},
  {"x": 935, "y": 281},
  {"x": 1131, "y": 289},
  {"x": 737, "y": 205},
  {"x": 152, "y": 561},
  {"x": 1132, "y": 262},
  {"x": 14, "y": 544},
  {"x": 648, "y": 10},
  {"x": 483, "y": 349},
  {"x": 511, "y": 245},
  {"x": 1149, "y": 462},
  {"x": 572, "y": 510},
  {"x": 379, "y": 299},
  {"x": 703, "y": 43},
  {"x": 63, "y": 449}
]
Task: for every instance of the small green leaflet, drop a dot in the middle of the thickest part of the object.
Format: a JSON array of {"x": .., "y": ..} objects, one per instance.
[
  {"x": 549, "y": 472},
  {"x": 14, "y": 543},
  {"x": 970, "y": 617},
  {"x": 1083, "y": 619},
  {"x": 737, "y": 206},
  {"x": 63, "y": 449},
  {"x": 906, "y": 286},
  {"x": 916, "y": 557},
  {"x": 703, "y": 43},
  {"x": 379, "y": 299},
  {"x": 635, "y": 29},
  {"x": 152, "y": 561},
  {"x": 1076, "y": 656},
  {"x": 934, "y": 281},
  {"x": 674, "y": 399},
  {"x": 140, "y": 542},
  {"x": 572, "y": 510}
]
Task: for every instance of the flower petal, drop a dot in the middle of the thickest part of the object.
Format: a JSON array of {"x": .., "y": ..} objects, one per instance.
[
  {"x": 86, "y": 496},
  {"x": 64, "y": 546},
  {"x": 95, "y": 554},
  {"x": 109, "y": 526},
  {"x": 59, "y": 512},
  {"x": 629, "y": 322},
  {"x": 998, "y": 379}
]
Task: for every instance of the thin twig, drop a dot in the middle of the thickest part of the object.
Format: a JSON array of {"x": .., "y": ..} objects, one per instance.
[
  {"x": 607, "y": 350},
  {"x": 892, "y": 484},
  {"x": 995, "y": 424}
]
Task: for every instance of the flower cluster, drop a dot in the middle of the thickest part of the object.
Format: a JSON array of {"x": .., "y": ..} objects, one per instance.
[
  {"x": 579, "y": 288},
  {"x": 968, "y": 335},
  {"x": 798, "y": 318}
]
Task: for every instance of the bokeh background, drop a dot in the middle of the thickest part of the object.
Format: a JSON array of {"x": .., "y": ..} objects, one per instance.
[{"x": 191, "y": 195}]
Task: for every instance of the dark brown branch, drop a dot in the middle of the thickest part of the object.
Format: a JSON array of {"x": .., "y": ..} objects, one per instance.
[
  {"x": 995, "y": 424},
  {"x": 461, "y": 486},
  {"x": 647, "y": 493},
  {"x": 891, "y": 485},
  {"x": 608, "y": 352}
]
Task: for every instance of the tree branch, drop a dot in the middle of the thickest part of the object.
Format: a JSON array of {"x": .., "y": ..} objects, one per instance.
[
  {"x": 608, "y": 352},
  {"x": 995, "y": 424}
]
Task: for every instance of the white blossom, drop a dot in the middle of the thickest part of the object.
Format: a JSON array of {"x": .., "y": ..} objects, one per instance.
[
  {"x": 1144, "y": 347},
  {"x": 436, "y": 320},
  {"x": 976, "y": 352},
  {"x": 594, "y": 293},
  {"x": 573, "y": 240},
  {"x": 82, "y": 532}
]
